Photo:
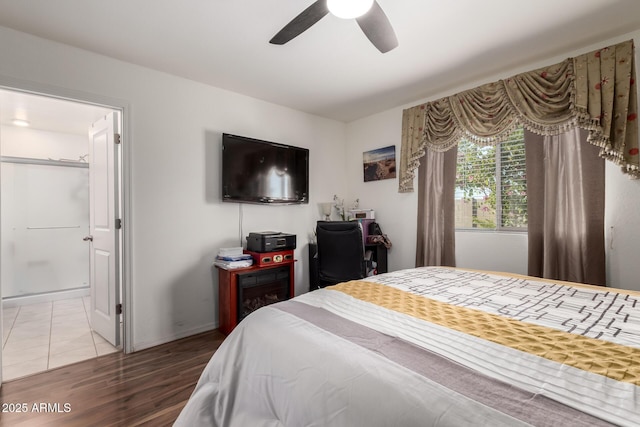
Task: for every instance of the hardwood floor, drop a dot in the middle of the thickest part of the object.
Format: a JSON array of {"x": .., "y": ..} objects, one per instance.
[{"x": 149, "y": 387}]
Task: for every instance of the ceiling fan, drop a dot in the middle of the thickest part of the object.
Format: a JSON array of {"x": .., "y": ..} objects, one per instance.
[{"x": 368, "y": 13}]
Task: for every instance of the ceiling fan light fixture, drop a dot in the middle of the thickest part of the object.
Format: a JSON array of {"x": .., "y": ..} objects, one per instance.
[
  {"x": 21, "y": 123},
  {"x": 369, "y": 15},
  {"x": 349, "y": 9}
]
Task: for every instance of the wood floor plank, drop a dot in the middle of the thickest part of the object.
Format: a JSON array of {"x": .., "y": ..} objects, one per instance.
[{"x": 149, "y": 387}]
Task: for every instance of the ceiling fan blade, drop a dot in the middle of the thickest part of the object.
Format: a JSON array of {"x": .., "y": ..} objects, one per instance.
[
  {"x": 302, "y": 22},
  {"x": 378, "y": 29}
]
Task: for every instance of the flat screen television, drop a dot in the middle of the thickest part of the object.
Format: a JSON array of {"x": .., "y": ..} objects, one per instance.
[{"x": 256, "y": 171}]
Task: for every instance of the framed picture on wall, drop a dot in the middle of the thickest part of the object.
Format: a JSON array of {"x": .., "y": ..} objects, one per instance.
[{"x": 379, "y": 164}]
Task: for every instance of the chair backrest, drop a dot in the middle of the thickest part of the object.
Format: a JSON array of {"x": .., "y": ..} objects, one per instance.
[{"x": 340, "y": 251}]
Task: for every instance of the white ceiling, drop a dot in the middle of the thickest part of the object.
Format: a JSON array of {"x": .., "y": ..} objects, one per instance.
[
  {"x": 48, "y": 114},
  {"x": 330, "y": 70}
]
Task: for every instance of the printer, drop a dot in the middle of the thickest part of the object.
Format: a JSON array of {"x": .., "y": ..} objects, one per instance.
[{"x": 270, "y": 241}]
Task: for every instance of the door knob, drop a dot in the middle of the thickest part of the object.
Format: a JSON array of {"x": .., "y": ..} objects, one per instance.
[{"x": 88, "y": 238}]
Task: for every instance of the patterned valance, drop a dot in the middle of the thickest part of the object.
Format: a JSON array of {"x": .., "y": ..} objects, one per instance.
[{"x": 595, "y": 91}]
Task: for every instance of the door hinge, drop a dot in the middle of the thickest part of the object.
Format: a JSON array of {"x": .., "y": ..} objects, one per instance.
[
  {"x": 118, "y": 308},
  {"x": 116, "y": 138},
  {"x": 118, "y": 224}
]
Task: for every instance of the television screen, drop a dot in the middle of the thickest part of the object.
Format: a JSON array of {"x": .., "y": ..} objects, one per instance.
[{"x": 255, "y": 171}]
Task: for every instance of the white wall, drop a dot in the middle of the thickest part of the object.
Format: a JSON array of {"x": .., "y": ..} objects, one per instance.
[
  {"x": 173, "y": 128},
  {"x": 395, "y": 212},
  {"x": 490, "y": 251}
]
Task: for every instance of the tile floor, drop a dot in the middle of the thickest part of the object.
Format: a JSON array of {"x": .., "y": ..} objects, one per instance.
[{"x": 44, "y": 336}]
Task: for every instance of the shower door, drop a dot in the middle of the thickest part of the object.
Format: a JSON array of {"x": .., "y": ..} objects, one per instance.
[{"x": 45, "y": 214}]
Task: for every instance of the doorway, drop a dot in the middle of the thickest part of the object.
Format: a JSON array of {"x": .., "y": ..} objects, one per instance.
[{"x": 46, "y": 288}]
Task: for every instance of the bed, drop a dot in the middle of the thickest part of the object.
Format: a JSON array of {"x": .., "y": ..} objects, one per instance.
[{"x": 430, "y": 346}]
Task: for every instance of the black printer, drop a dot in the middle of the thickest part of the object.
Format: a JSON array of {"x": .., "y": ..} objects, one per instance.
[{"x": 270, "y": 241}]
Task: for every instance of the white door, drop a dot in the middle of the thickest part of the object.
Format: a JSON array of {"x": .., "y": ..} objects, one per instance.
[{"x": 103, "y": 234}]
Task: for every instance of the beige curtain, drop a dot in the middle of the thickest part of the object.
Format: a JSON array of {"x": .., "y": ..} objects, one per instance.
[
  {"x": 595, "y": 91},
  {"x": 565, "y": 206},
  {"x": 413, "y": 145},
  {"x": 436, "y": 209}
]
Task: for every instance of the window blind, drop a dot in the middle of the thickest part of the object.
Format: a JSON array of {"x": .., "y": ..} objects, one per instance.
[{"x": 491, "y": 185}]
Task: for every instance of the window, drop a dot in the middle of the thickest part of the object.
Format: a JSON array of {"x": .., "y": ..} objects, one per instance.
[{"x": 491, "y": 185}]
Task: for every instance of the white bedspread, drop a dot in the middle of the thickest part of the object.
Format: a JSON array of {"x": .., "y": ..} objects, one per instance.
[{"x": 329, "y": 359}]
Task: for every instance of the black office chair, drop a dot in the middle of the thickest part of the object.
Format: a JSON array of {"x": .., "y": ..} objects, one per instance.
[{"x": 340, "y": 252}]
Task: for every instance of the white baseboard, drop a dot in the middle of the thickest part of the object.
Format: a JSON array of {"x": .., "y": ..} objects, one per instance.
[
  {"x": 40, "y": 298},
  {"x": 182, "y": 334}
]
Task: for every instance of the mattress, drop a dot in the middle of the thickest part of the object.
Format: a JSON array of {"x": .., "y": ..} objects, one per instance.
[{"x": 430, "y": 346}]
